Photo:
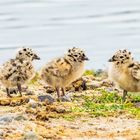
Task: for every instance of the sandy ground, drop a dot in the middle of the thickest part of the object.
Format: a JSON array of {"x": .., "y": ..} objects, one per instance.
[
  {"x": 26, "y": 118},
  {"x": 16, "y": 123}
]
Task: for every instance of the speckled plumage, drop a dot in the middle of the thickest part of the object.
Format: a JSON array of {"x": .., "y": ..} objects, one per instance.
[
  {"x": 18, "y": 71},
  {"x": 125, "y": 72},
  {"x": 62, "y": 71}
]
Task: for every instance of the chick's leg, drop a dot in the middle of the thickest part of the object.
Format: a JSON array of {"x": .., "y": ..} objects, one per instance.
[
  {"x": 58, "y": 92},
  {"x": 63, "y": 91},
  {"x": 8, "y": 92},
  {"x": 124, "y": 95},
  {"x": 19, "y": 89}
]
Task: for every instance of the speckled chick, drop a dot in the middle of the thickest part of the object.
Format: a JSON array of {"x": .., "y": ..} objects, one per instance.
[
  {"x": 125, "y": 72},
  {"x": 61, "y": 72},
  {"x": 18, "y": 71}
]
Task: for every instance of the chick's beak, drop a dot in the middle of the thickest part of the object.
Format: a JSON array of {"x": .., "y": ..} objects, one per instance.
[
  {"x": 111, "y": 60},
  {"x": 86, "y": 58},
  {"x": 36, "y": 57}
]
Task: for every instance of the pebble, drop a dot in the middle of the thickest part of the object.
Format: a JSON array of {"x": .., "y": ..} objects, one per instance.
[
  {"x": 30, "y": 136},
  {"x": 6, "y": 119},
  {"x": 46, "y": 98},
  {"x": 66, "y": 98}
]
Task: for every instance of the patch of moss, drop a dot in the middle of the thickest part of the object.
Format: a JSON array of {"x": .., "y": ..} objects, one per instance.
[
  {"x": 107, "y": 104},
  {"x": 134, "y": 97},
  {"x": 89, "y": 72},
  {"x": 69, "y": 117},
  {"x": 134, "y": 111},
  {"x": 97, "y": 73},
  {"x": 107, "y": 97}
]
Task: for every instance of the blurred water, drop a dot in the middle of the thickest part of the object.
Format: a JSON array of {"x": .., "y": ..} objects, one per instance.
[{"x": 52, "y": 26}]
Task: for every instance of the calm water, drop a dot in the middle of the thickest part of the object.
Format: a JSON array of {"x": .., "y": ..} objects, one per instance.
[{"x": 52, "y": 26}]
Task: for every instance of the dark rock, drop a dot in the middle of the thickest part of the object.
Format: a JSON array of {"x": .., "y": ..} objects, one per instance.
[
  {"x": 49, "y": 89},
  {"x": 19, "y": 118},
  {"x": 84, "y": 86},
  {"x": 10, "y": 117},
  {"x": 6, "y": 118},
  {"x": 46, "y": 98}
]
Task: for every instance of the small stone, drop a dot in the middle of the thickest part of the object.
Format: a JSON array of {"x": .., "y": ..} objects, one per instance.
[
  {"x": 49, "y": 89},
  {"x": 65, "y": 98},
  {"x": 28, "y": 92},
  {"x": 93, "y": 85},
  {"x": 46, "y": 98},
  {"x": 107, "y": 83},
  {"x": 19, "y": 118},
  {"x": 137, "y": 105},
  {"x": 33, "y": 103},
  {"x": 63, "y": 108},
  {"x": 42, "y": 116},
  {"x": 4, "y": 101},
  {"x": 6, "y": 119},
  {"x": 60, "y": 110},
  {"x": 30, "y": 136}
]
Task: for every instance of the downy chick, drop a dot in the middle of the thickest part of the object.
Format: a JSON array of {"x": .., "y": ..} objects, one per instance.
[
  {"x": 61, "y": 72},
  {"x": 18, "y": 71},
  {"x": 125, "y": 72}
]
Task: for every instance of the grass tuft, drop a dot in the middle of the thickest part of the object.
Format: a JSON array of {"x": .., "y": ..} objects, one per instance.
[
  {"x": 107, "y": 104},
  {"x": 89, "y": 72}
]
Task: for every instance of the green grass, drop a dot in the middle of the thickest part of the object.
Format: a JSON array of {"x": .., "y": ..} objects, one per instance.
[
  {"x": 134, "y": 97},
  {"x": 69, "y": 117},
  {"x": 108, "y": 104},
  {"x": 97, "y": 73},
  {"x": 89, "y": 72}
]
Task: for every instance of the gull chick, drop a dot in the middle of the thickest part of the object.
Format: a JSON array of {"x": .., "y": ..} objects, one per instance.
[
  {"x": 125, "y": 72},
  {"x": 18, "y": 71},
  {"x": 61, "y": 72}
]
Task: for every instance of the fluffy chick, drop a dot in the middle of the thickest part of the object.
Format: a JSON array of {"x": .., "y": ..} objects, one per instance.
[
  {"x": 61, "y": 72},
  {"x": 125, "y": 72},
  {"x": 18, "y": 71}
]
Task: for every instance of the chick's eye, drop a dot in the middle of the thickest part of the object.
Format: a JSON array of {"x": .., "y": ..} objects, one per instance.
[
  {"x": 24, "y": 49},
  {"x": 113, "y": 57},
  {"x": 20, "y": 53},
  {"x": 31, "y": 54},
  {"x": 75, "y": 55},
  {"x": 121, "y": 56}
]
